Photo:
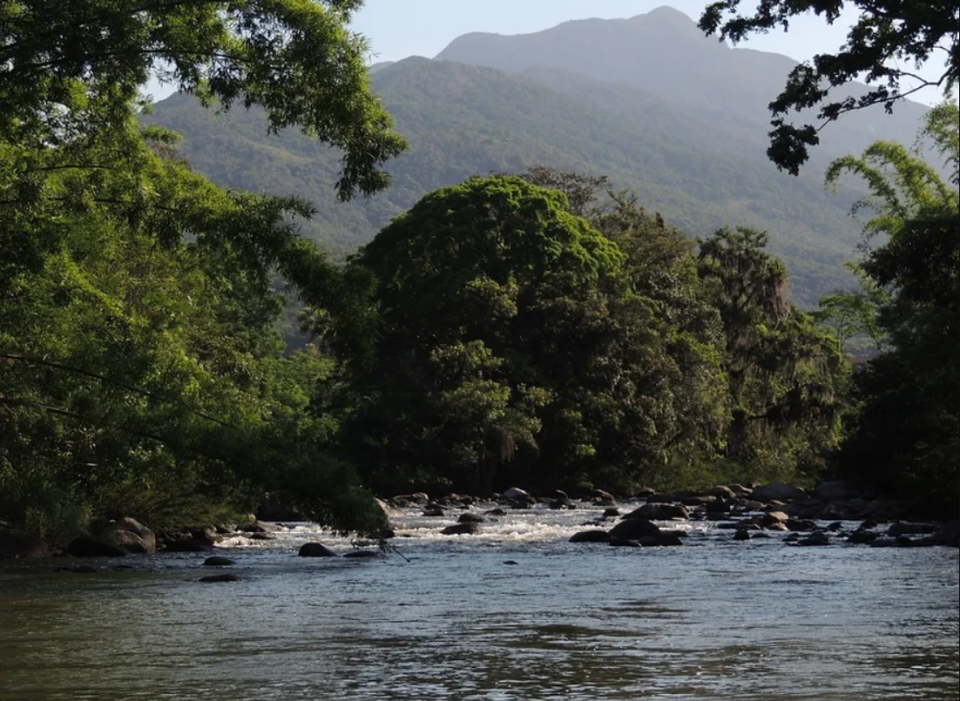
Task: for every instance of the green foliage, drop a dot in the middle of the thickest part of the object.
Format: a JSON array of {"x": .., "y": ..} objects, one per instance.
[
  {"x": 906, "y": 437},
  {"x": 68, "y": 70},
  {"x": 784, "y": 375},
  {"x": 140, "y": 371},
  {"x": 513, "y": 341},
  {"x": 888, "y": 37},
  {"x": 854, "y": 316}
]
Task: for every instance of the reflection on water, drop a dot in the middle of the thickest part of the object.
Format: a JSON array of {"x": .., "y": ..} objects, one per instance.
[{"x": 708, "y": 621}]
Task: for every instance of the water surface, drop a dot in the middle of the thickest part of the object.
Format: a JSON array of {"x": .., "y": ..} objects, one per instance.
[{"x": 515, "y": 612}]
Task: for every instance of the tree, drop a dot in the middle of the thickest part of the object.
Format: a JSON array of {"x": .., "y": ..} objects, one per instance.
[
  {"x": 784, "y": 375},
  {"x": 890, "y": 39},
  {"x": 906, "y": 437},
  {"x": 140, "y": 372},
  {"x": 139, "y": 366},
  {"x": 851, "y": 315},
  {"x": 69, "y": 69},
  {"x": 511, "y": 347}
]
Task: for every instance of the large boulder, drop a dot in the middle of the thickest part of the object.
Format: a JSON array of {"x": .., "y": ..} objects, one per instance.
[
  {"x": 602, "y": 498},
  {"x": 258, "y": 527},
  {"x": 634, "y": 529},
  {"x": 315, "y": 550},
  {"x": 662, "y": 539},
  {"x": 518, "y": 497},
  {"x": 836, "y": 490},
  {"x": 130, "y": 535},
  {"x": 775, "y": 520},
  {"x": 593, "y": 536},
  {"x": 85, "y": 546},
  {"x": 723, "y": 492},
  {"x": 777, "y": 491},
  {"x": 125, "y": 540},
  {"x": 659, "y": 512},
  {"x": 20, "y": 544},
  {"x": 388, "y": 510}
]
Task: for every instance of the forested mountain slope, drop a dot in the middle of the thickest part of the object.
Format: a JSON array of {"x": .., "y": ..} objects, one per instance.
[{"x": 701, "y": 167}]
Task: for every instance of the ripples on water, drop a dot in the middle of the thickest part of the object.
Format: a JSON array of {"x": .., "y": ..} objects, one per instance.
[{"x": 715, "y": 619}]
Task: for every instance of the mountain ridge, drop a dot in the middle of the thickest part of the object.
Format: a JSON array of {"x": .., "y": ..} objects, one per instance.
[{"x": 702, "y": 168}]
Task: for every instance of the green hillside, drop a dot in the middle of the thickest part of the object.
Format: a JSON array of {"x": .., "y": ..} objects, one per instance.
[{"x": 700, "y": 171}]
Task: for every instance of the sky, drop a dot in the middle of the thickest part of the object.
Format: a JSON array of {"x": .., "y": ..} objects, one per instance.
[
  {"x": 397, "y": 29},
  {"x": 400, "y": 28}
]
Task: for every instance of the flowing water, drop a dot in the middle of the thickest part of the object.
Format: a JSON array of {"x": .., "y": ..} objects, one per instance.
[{"x": 514, "y": 612}]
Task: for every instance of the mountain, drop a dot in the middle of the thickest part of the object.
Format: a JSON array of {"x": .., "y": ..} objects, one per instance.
[
  {"x": 664, "y": 52},
  {"x": 701, "y": 167}
]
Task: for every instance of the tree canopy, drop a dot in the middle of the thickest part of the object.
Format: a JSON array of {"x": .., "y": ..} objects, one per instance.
[
  {"x": 517, "y": 334},
  {"x": 889, "y": 42},
  {"x": 69, "y": 68},
  {"x": 141, "y": 372}
]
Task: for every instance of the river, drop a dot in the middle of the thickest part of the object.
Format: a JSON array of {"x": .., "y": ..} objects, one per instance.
[{"x": 513, "y": 613}]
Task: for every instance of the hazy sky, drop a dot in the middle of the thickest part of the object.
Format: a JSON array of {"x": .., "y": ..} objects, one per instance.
[
  {"x": 400, "y": 28},
  {"x": 397, "y": 29}
]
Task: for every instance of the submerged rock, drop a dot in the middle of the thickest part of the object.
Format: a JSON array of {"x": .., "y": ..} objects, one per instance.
[
  {"x": 468, "y": 528},
  {"x": 217, "y": 578},
  {"x": 362, "y": 554},
  {"x": 898, "y": 529},
  {"x": 218, "y": 561},
  {"x": 816, "y": 538},
  {"x": 862, "y": 536}
]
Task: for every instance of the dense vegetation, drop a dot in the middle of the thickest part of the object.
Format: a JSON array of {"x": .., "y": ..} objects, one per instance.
[
  {"x": 905, "y": 435},
  {"x": 140, "y": 372},
  {"x": 520, "y": 338},
  {"x": 542, "y": 329}
]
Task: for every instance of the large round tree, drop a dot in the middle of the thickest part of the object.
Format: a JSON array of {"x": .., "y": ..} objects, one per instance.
[{"x": 506, "y": 334}]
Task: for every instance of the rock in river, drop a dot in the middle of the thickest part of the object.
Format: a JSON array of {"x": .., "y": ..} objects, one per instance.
[
  {"x": 315, "y": 550},
  {"x": 468, "y": 528}
]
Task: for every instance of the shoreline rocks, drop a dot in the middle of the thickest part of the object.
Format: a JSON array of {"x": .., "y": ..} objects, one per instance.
[{"x": 16, "y": 544}]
